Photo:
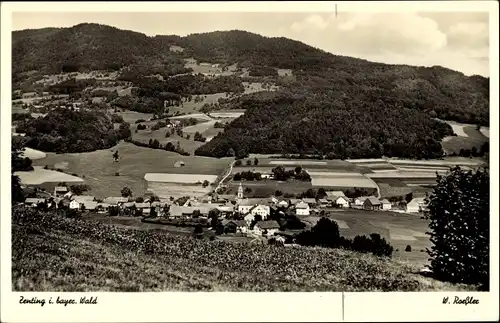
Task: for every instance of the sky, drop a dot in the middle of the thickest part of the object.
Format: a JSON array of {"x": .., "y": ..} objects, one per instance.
[{"x": 456, "y": 40}]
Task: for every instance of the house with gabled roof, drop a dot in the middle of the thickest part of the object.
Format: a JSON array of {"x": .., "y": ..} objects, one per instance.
[
  {"x": 334, "y": 194},
  {"x": 372, "y": 203},
  {"x": 33, "y": 202},
  {"x": 263, "y": 210},
  {"x": 386, "y": 205},
  {"x": 302, "y": 208},
  {"x": 310, "y": 201},
  {"x": 234, "y": 226},
  {"x": 342, "y": 201},
  {"x": 359, "y": 201},
  {"x": 60, "y": 191},
  {"x": 268, "y": 228},
  {"x": 115, "y": 200},
  {"x": 416, "y": 205}
]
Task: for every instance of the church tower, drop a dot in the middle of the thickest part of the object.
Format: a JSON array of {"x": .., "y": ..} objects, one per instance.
[{"x": 240, "y": 192}]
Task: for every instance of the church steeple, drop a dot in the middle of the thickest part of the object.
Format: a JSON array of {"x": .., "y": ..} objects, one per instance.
[{"x": 240, "y": 191}]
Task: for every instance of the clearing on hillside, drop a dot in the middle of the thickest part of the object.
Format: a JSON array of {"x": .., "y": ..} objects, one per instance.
[{"x": 100, "y": 170}]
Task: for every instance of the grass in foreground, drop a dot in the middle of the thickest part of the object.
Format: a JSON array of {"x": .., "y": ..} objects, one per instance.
[{"x": 53, "y": 253}]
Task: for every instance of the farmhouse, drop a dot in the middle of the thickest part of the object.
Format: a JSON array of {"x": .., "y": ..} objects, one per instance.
[
  {"x": 416, "y": 205},
  {"x": 310, "y": 201},
  {"x": 268, "y": 228},
  {"x": 103, "y": 207},
  {"x": 33, "y": 202},
  {"x": 145, "y": 207},
  {"x": 302, "y": 208},
  {"x": 263, "y": 210},
  {"x": 334, "y": 194},
  {"x": 342, "y": 201},
  {"x": 245, "y": 205},
  {"x": 226, "y": 210},
  {"x": 360, "y": 201},
  {"x": 115, "y": 200},
  {"x": 372, "y": 203},
  {"x": 60, "y": 191},
  {"x": 187, "y": 211},
  {"x": 386, "y": 205},
  {"x": 323, "y": 202},
  {"x": 82, "y": 198},
  {"x": 234, "y": 226},
  {"x": 89, "y": 205}
]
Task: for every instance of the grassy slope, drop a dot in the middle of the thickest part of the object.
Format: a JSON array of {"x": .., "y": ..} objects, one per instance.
[
  {"x": 99, "y": 169},
  {"x": 51, "y": 253}
]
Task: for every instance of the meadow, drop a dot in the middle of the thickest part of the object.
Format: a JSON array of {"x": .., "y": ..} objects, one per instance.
[
  {"x": 99, "y": 170},
  {"x": 39, "y": 176},
  {"x": 53, "y": 253},
  {"x": 399, "y": 229},
  {"x": 467, "y": 137}
]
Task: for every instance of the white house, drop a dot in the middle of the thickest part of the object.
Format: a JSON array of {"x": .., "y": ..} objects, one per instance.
[
  {"x": 74, "y": 205},
  {"x": 342, "y": 201},
  {"x": 268, "y": 228},
  {"x": 302, "y": 208},
  {"x": 386, "y": 205},
  {"x": 263, "y": 210},
  {"x": 360, "y": 201},
  {"x": 416, "y": 205}
]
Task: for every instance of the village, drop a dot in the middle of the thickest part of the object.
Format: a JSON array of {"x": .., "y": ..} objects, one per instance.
[{"x": 234, "y": 214}]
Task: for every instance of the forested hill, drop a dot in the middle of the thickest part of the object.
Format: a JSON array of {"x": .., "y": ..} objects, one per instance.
[{"x": 390, "y": 106}]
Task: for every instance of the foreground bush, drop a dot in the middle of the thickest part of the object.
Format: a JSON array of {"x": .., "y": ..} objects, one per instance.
[{"x": 459, "y": 227}]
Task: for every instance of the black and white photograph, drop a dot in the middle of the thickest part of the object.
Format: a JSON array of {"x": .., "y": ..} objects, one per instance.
[{"x": 225, "y": 151}]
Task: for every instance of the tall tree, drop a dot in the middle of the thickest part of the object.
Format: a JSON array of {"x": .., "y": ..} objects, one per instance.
[{"x": 459, "y": 227}]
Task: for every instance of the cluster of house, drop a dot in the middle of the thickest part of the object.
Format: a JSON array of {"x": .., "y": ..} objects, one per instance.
[
  {"x": 250, "y": 210},
  {"x": 64, "y": 198}
]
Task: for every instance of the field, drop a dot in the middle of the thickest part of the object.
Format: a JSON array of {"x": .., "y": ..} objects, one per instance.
[
  {"x": 33, "y": 154},
  {"x": 266, "y": 188},
  {"x": 467, "y": 137},
  {"x": 398, "y": 228},
  {"x": 40, "y": 176},
  {"x": 176, "y": 190},
  {"x": 342, "y": 181},
  {"x": 52, "y": 253},
  {"x": 231, "y": 114},
  {"x": 485, "y": 131},
  {"x": 194, "y": 107},
  {"x": 56, "y": 78},
  {"x": 98, "y": 169},
  {"x": 179, "y": 178},
  {"x": 132, "y": 116}
]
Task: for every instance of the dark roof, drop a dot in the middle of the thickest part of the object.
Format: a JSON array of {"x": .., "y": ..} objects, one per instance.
[
  {"x": 373, "y": 200},
  {"x": 268, "y": 224},
  {"x": 238, "y": 223}
]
